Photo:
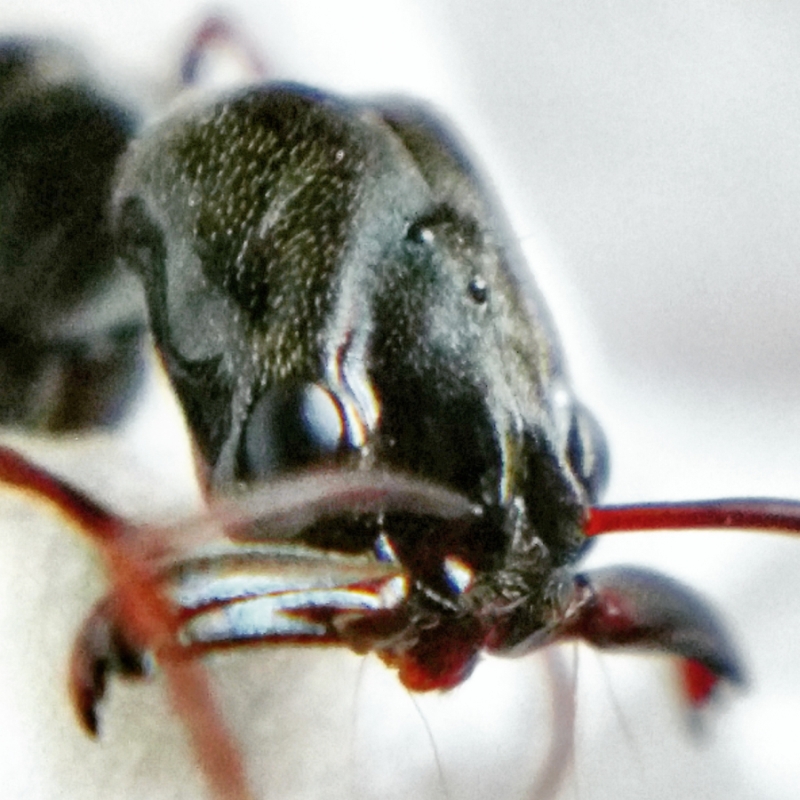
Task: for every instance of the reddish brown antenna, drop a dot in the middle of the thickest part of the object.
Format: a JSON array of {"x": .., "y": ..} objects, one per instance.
[{"x": 778, "y": 516}]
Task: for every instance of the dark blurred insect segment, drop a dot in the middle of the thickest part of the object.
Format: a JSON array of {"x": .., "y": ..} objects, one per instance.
[
  {"x": 71, "y": 322},
  {"x": 394, "y": 458}
]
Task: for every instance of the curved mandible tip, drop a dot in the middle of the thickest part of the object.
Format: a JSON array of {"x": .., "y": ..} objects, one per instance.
[{"x": 639, "y": 609}]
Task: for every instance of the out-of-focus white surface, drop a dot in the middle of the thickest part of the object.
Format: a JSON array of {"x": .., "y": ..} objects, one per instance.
[{"x": 649, "y": 153}]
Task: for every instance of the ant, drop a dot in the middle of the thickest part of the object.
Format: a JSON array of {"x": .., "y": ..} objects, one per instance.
[{"x": 394, "y": 458}]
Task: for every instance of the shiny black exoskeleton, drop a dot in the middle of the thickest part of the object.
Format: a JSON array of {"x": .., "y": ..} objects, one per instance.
[
  {"x": 329, "y": 285},
  {"x": 345, "y": 321}
]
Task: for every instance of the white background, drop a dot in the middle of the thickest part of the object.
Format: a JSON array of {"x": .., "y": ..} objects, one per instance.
[{"x": 649, "y": 156}]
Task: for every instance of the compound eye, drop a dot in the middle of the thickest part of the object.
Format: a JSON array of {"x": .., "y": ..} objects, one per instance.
[
  {"x": 290, "y": 427},
  {"x": 587, "y": 452}
]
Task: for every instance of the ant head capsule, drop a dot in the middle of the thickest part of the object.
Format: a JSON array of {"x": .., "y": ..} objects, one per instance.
[
  {"x": 289, "y": 239},
  {"x": 328, "y": 284}
]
